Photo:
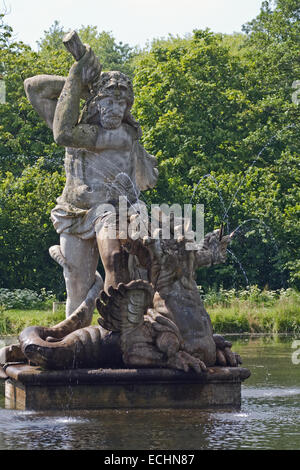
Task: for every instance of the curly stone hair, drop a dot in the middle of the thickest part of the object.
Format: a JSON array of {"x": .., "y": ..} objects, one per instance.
[{"x": 115, "y": 84}]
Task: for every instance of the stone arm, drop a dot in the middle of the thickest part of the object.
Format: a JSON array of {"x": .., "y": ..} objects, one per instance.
[
  {"x": 43, "y": 91},
  {"x": 66, "y": 130},
  {"x": 213, "y": 250},
  {"x": 146, "y": 168}
]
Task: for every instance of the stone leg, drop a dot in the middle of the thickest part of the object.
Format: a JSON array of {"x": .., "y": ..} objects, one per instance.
[
  {"x": 114, "y": 259},
  {"x": 82, "y": 259}
]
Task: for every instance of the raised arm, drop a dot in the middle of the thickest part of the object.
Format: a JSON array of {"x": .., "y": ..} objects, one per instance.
[
  {"x": 66, "y": 130},
  {"x": 43, "y": 91}
]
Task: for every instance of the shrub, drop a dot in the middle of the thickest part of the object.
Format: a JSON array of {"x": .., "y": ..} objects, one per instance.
[{"x": 25, "y": 299}]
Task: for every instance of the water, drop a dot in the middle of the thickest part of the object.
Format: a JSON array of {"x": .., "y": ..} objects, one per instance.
[
  {"x": 268, "y": 419},
  {"x": 275, "y": 136},
  {"x": 260, "y": 222},
  {"x": 240, "y": 266},
  {"x": 225, "y": 217}
]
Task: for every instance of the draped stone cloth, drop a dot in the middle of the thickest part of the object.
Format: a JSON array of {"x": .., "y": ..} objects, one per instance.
[
  {"x": 85, "y": 223},
  {"x": 67, "y": 218}
]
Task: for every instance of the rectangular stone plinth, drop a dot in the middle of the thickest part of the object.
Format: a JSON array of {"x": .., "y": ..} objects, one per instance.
[{"x": 31, "y": 388}]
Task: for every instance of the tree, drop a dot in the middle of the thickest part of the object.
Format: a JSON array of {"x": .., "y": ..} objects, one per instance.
[
  {"x": 24, "y": 138},
  {"x": 273, "y": 48},
  {"x": 112, "y": 55},
  {"x": 209, "y": 113},
  {"x": 52, "y": 40},
  {"x": 26, "y": 229}
]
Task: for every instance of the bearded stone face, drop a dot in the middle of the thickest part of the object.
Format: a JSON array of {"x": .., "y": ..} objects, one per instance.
[{"x": 112, "y": 112}]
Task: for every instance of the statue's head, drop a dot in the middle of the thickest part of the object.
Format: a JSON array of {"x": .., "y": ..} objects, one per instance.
[
  {"x": 114, "y": 85},
  {"x": 110, "y": 102}
]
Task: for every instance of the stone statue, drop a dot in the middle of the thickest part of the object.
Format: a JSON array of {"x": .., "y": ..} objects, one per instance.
[
  {"x": 151, "y": 317},
  {"x": 104, "y": 160}
]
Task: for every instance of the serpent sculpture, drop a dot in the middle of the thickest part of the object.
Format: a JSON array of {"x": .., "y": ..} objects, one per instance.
[{"x": 161, "y": 322}]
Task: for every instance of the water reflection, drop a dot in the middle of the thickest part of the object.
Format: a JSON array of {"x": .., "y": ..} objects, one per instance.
[{"x": 268, "y": 419}]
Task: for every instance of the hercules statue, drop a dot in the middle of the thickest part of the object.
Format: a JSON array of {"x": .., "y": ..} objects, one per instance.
[{"x": 102, "y": 153}]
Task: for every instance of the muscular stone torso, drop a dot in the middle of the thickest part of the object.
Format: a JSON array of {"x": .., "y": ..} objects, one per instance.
[{"x": 89, "y": 172}]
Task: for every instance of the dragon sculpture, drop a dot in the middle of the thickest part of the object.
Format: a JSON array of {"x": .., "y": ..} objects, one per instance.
[{"x": 159, "y": 322}]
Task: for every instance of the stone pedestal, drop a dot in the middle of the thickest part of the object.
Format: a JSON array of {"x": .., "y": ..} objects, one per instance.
[{"x": 31, "y": 388}]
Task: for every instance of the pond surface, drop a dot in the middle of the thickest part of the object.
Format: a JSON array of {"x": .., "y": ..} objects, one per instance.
[{"x": 268, "y": 419}]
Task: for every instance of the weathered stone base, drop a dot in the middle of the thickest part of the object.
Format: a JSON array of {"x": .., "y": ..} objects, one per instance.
[{"x": 30, "y": 388}]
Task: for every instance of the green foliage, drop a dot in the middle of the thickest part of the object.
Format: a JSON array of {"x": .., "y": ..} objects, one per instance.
[
  {"x": 25, "y": 299},
  {"x": 253, "y": 296},
  {"x": 24, "y": 137},
  {"x": 254, "y": 311},
  {"x": 218, "y": 114},
  {"x": 52, "y": 39},
  {"x": 189, "y": 100},
  {"x": 26, "y": 231},
  {"x": 14, "y": 321},
  {"x": 5, "y": 322},
  {"x": 112, "y": 55},
  {"x": 235, "y": 42}
]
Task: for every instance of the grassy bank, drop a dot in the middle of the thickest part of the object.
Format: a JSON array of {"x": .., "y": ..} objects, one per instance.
[
  {"x": 13, "y": 321},
  {"x": 242, "y": 317},
  {"x": 254, "y": 311},
  {"x": 248, "y": 311}
]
